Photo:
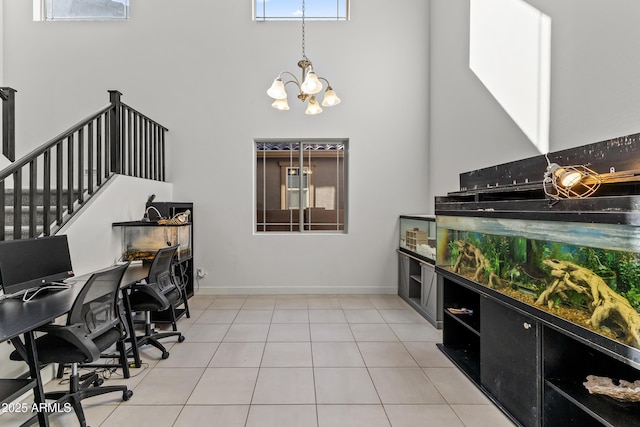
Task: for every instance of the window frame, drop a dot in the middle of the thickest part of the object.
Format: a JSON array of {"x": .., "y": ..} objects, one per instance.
[
  {"x": 308, "y": 17},
  {"x": 41, "y": 14}
]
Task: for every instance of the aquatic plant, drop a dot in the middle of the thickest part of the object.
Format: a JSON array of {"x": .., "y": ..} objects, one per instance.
[
  {"x": 454, "y": 249},
  {"x": 493, "y": 249},
  {"x": 592, "y": 258},
  {"x": 519, "y": 245},
  {"x": 629, "y": 275},
  {"x": 554, "y": 250},
  {"x": 576, "y": 299}
]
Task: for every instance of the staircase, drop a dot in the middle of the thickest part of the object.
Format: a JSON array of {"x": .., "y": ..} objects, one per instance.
[
  {"x": 115, "y": 140},
  {"x": 24, "y": 215}
]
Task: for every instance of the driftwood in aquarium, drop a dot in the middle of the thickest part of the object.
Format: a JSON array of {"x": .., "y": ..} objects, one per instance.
[
  {"x": 625, "y": 391},
  {"x": 605, "y": 303},
  {"x": 471, "y": 256}
]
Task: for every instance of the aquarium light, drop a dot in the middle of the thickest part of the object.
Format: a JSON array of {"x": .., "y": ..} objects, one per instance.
[
  {"x": 570, "y": 181},
  {"x": 566, "y": 177}
]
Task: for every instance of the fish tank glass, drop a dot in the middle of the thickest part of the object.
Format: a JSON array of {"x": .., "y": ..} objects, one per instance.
[
  {"x": 141, "y": 240},
  {"x": 586, "y": 273},
  {"x": 417, "y": 236}
]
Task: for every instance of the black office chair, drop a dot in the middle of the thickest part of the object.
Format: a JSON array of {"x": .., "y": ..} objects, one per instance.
[
  {"x": 93, "y": 326},
  {"x": 159, "y": 294}
]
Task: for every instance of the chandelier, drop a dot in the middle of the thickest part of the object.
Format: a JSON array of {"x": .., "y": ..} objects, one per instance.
[{"x": 307, "y": 90}]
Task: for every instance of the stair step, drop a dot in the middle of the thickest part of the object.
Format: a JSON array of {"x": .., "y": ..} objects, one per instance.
[
  {"x": 9, "y": 195},
  {"x": 9, "y": 214},
  {"x": 8, "y": 231}
]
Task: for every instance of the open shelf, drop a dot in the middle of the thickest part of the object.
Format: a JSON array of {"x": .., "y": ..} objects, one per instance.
[
  {"x": 605, "y": 410},
  {"x": 457, "y": 296},
  {"x": 466, "y": 358},
  {"x": 468, "y": 321}
]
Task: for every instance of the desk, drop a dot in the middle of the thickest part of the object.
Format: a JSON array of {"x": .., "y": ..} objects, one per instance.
[{"x": 20, "y": 318}]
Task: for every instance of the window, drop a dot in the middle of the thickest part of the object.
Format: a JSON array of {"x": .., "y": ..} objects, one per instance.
[
  {"x": 293, "y": 198},
  {"x": 291, "y": 10},
  {"x": 295, "y": 174},
  {"x": 80, "y": 10}
]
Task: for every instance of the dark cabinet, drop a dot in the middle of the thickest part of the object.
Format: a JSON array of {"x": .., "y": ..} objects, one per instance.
[{"x": 531, "y": 366}]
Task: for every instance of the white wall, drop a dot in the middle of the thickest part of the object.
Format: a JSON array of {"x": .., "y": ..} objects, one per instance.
[
  {"x": 595, "y": 90},
  {"x": 202, "y": 69},
  {"x": 93, "y": 242},
  {"x": 1, "y": 43}
]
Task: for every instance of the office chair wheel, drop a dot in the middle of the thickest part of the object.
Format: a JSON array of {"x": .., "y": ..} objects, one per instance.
[
  {"x": 98, "y": 382},
  {"x": 127, "y": 395},
  {"x": 165, "y": 355},
  {"x": 181, "y": 338}
]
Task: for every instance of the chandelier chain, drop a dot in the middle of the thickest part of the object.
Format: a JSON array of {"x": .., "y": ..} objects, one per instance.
[{"x": 304, "y": 55}]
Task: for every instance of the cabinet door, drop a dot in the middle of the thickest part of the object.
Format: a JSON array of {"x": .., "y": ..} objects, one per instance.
[
  {"x": 509, "y": 362},
  {"x": 403, "y": 276},
  {"x": 431, "y": 295}
]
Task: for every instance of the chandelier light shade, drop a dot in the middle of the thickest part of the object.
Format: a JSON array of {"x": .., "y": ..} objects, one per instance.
[
  {"x": 308, "y": 86},
  {"x": 311, "y": 84},
  {"x": 276, "y": 91},
  {"x": 330, "y": 98},
  {"x": 281, "y": 104},
  {"x": 313, "y": 107}
]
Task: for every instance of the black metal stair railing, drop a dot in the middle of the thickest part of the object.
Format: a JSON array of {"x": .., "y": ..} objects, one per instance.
[{"x": 44, "y": 189}]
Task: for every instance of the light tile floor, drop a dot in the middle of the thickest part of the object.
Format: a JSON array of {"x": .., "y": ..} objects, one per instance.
[{"x": 321, "y": 361}]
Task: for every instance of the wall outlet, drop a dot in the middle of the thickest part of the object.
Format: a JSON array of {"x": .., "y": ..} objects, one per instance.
[{"x": 200, "y": 273}]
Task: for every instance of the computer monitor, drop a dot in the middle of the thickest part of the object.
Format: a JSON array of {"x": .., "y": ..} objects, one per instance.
[{"x": 30, "y": 263}]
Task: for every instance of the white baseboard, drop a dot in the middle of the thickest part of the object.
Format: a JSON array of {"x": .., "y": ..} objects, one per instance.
[{"x": 298, "y": 290}]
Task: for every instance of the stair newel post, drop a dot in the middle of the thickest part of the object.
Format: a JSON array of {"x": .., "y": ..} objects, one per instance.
[
  {"x": 115, "y": 135},
  {"x": 8, "y": 97}
]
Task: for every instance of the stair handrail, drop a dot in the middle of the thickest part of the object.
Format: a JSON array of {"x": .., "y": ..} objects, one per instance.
[
  {"x": 116, "y": 139},
  {"x": 9, "y": 170}
]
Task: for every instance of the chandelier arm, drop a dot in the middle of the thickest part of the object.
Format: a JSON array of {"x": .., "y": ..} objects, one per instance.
[
  {"x": 294, "y": 82},
  {"x": 295, "y": 79},
  {"x": 326, "y": 81}
]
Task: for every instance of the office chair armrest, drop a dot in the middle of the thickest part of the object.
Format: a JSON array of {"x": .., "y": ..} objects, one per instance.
[
  {"x": 153, "y": 290},
  {"x": 74, "y": 334}
]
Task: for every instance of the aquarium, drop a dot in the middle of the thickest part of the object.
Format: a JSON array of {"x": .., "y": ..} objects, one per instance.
[
  {"x": 141, "y": 240},
  {"x": 586, "y": 273},
  {"x": 417, "y": 236}
]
